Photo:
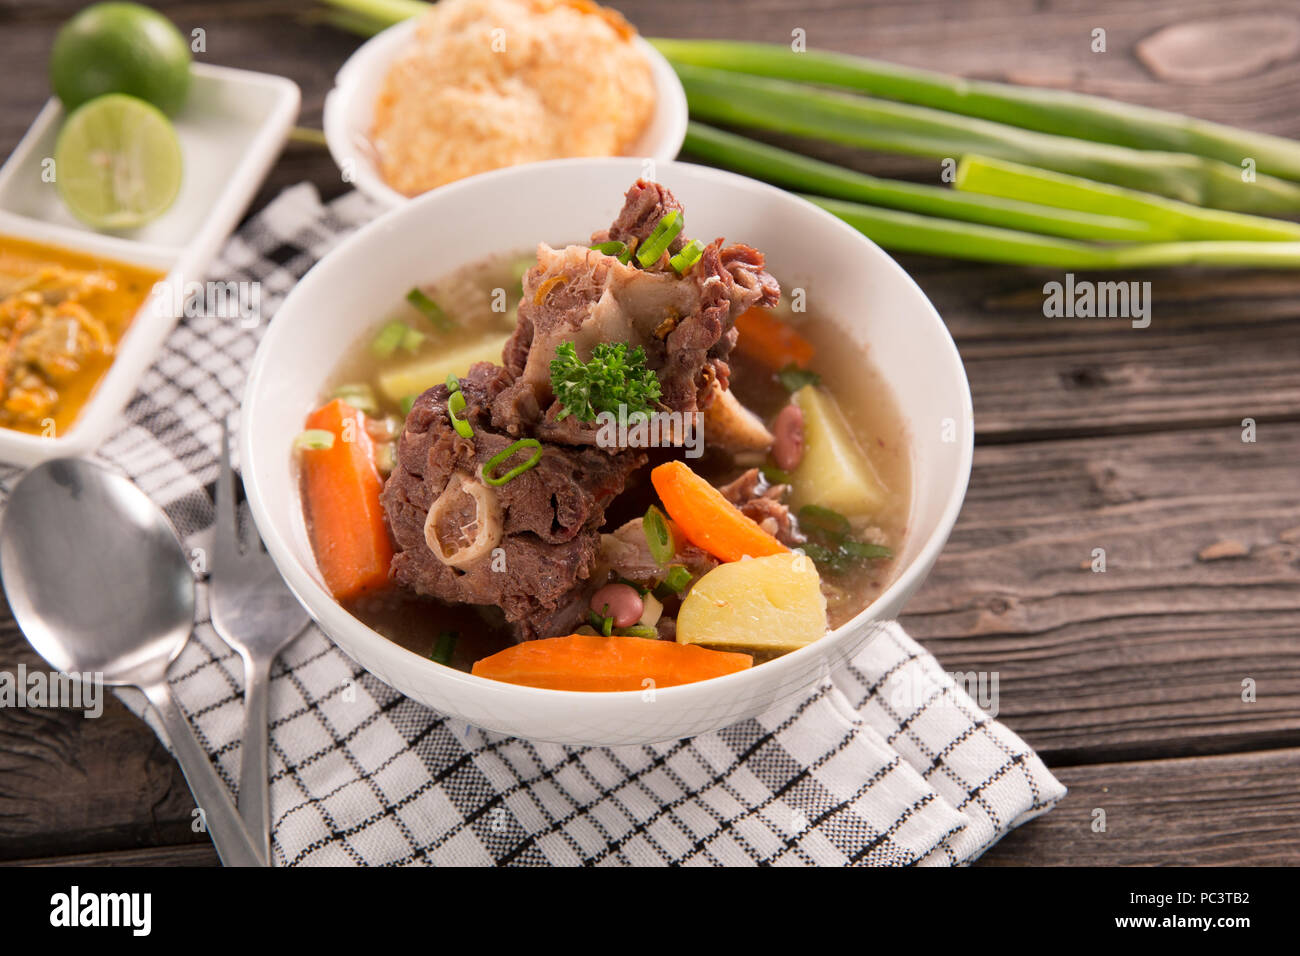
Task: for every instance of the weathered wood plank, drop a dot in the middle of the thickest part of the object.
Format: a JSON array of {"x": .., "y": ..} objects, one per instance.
[
  {"x": 1146, "y": 659},
  {"x": 73, "y": 784},
  {"x": 1241, "y": 810},
  {"x": 195, "y": 854},
  {"x": 1220, "y": 347}
]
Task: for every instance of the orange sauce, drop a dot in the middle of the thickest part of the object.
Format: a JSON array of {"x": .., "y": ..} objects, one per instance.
[{"x": 111, "y": 292}]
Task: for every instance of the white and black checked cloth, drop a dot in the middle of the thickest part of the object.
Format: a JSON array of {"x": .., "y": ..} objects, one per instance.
[{"x": 889, "y": 763}]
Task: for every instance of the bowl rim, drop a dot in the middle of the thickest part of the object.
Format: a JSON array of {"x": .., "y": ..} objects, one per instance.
[
  {"x": 377, "y": 54},
  {"x": 332, "y": 616}
]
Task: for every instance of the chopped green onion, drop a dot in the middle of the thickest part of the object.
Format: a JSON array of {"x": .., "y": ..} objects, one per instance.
[
  {"x": 823, "y": 556},
  {"x": 658, "y": 536},
  {"x": 661, "y": 237},
  {"x": 689, "y": 255},
  {"x": 504, "y": 455},
  {"x": 412, "y": 340},
  {"x": 775, "y": 476},
  {"x": 845, "y": 554},
  {"x": 825, "y": 520},
  {"x": 793, "y": 378},
  {"x": 456, "y": 405},
  {"x": 829, "y": 544},
  {"x": 866, "y": 552},
  {"x": 640, "y": 589},
  {"x": 407, "y": 404},
  {"x": 443, "y": 646},
  {"x": 615, "y": 248},
  {"x": 637, "y": 630},
  {"x": 453, "y": 383},
  {"x": 678, "y": 577},
  {"x": 430, "y": 310},
  {"x": 605, "y": 625},
  {"x": 389, "y": 339},
  {"x": 359, "y": 395},
  {"x": 315, "y": 439}
]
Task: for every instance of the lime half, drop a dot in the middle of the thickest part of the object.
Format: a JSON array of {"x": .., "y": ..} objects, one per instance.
[
  {"x": 120, "y": 48},
  {"x": 117, "y": 162}
]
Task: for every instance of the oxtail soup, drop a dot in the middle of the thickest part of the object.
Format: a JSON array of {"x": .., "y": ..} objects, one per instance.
[{"x": 604, "y": 466}]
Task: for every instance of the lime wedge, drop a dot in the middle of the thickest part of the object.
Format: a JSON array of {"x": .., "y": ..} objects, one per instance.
[{"x": 117, "y": 162}]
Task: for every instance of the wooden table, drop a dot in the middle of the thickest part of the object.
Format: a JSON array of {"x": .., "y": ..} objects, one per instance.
[{"x": 1090, "y": 434}]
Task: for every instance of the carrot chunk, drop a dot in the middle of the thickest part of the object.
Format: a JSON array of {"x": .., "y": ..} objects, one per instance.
[
  {"x": 594, "y": 663},
  {"x": 709, "y": 520},
  {"x": 767, "y": 339},
  {"x": 344, "y": 516}
]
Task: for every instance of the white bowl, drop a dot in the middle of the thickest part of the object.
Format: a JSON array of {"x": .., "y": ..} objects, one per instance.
[
  {"x": 856, "y": 285},
  {"x": 349, "y": 110}
]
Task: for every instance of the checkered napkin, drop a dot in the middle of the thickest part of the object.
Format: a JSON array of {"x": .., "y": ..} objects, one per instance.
[{"x": 887, "y": 763}]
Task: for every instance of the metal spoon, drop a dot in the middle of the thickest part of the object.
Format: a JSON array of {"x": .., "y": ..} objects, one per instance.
[{"x": 99, "y": 583}]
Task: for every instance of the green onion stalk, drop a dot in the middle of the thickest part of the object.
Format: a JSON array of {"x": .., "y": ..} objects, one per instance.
[
  {"x": 1174, "y": 219},
  {"x": 1061, "y": 112},
  {"x": 368, "y": 17},
  {"x": 738, "y": 99},
  {"x": 927, "y": 235},
  {"x": 785, "y": 168}
]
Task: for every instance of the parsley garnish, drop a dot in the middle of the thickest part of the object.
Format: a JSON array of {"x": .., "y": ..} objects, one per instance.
[{"x": 613, "y": 377}]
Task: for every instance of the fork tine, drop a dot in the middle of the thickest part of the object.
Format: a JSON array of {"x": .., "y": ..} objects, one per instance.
[{"x": 227, "y": 525}]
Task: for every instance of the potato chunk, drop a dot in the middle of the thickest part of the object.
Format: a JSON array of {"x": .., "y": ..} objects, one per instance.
[
  {"x": 773, "y": 603},
  {"x": 428, "y": 371},
  {"x": 834, "y": 472}
]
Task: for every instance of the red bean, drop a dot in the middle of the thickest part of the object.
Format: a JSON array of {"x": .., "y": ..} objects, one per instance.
[
  {"x": 619, "y": 601},
  {"x": 787, "y": 450}
]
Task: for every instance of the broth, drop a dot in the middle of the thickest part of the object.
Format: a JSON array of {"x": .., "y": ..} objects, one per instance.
[{"x": 481, "y": 299}]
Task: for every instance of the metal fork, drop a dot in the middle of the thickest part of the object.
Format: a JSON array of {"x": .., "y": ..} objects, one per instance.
[{"x": 255, "y": 613}]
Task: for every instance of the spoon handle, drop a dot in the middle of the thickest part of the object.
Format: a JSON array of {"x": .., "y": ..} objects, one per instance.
[
  {"x": 254, "y": 800},
  {"x": 233, "y": 843}
]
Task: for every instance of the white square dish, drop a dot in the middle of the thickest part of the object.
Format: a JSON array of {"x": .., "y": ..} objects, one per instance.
[{"x": 231, "y": 130}]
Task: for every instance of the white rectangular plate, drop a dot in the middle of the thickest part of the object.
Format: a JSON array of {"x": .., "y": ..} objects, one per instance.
[{"x": 231, "y": 130}]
